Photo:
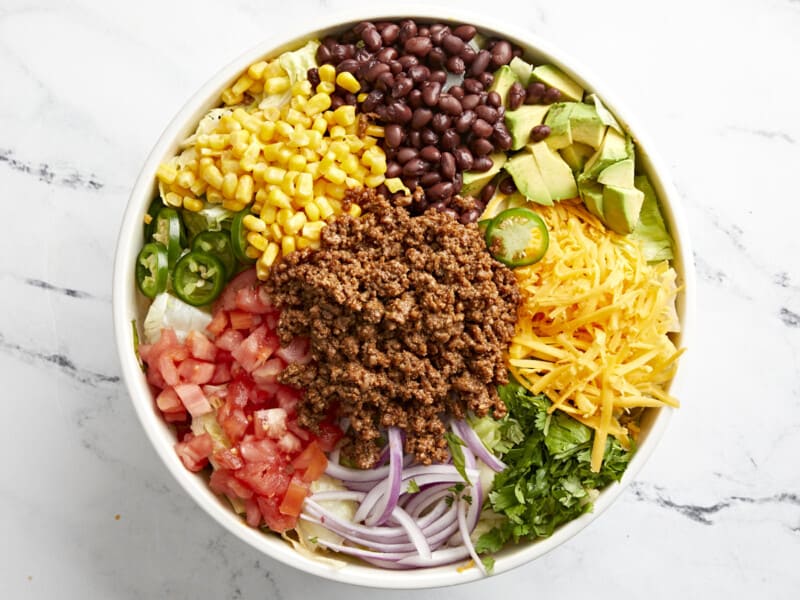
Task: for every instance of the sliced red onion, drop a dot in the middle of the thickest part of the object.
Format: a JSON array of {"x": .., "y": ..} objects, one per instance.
[
  {"x": 465, "y": 531},
  {"x": 422, "y": 500},
  {"x": 384, "y": 508},
  {"x": 474, "y": 443}
]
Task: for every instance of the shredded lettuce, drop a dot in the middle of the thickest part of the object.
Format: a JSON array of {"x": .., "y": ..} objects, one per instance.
[
  {"x": 296, "y": 64},
  {"x": 168, "y": 311},
  {"x": 650, "y": 230},
  {"x": 212, "y": 217}
]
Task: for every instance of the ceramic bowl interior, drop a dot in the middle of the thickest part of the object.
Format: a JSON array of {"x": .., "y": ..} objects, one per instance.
[{"x": 130, "y": 307}]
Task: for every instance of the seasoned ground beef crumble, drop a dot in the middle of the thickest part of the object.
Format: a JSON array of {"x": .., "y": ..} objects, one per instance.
[{"x": 408, "y": 320}]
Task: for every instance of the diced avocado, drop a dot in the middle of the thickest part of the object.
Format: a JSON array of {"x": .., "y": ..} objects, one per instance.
[
  {"x": 576, "y": 155},
  {"x": 521, "y": 121},
  {"x": 592, "y": 196},
  {"x": 558, "y": 120},
  {"x": 528, "y": 179},
  {"x": 613, "y": 149},
  {"x": 621, "y": 208},
  {"x": 605, "y": 115},
  {"x": 500, "y": 202},
  {"x": 587, "y": 126},
  {"x": 650, "y": 230},
  {"x": 555, "y": 172},
  {"x": 504, "y": 78},
  {"x": 522, "y": 69},
  {"x": 555, "y": 77},
  {"x": 620, "y": 174},
  {"x": 474, "y": 181}
]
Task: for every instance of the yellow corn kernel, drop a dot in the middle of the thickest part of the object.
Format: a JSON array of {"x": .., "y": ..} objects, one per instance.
[
  {"x": 297, "y": 162},
  {"x": 229, "y": 183},
  {"x": 295, "y": 223},
  {"x": 304, "y": 243},
  {"x": 300, "y": 138},
  {"x": 312, "y": 169},
  {"x": 256, "y": 70},
  {"x": 312, "y": 229},
  {"x": 252, "y": 252},
  {"x": 354, "y": 143},
  {"x": 335, "y": 191},
  {"x": 167, "y": 173},
  {"x": 320, "y": 124},
  {"x": 295, "y": 117},
  {"x": 269, "y": 256},
  {"x": 267, "y": 131},
  {"x": 337, "y": 131},
  {"x": 284, "y": 215},
  {"x": 199, "y": 187},
  {"x": 329, "y": 118},
  {"x": 352, "y": 183},
  {"x": 276, "y": 85},
  {"x": 287, "y": 185},
  {"x": 312, "y": 211},
  {"x": 173, "y": 199},
  {"x": 252, "y": 124},
  {"x": 241, "y": 85},
  {"x": 275, "y": 231},
  {"x": 272, "y": 113},
  {"x": 214, "y": 197},
  {"x": 269, "y": 214},
  {"x": 256, "y": 88},
  {"x": 369, "y": 141},
  {"x": 350, "y": 164},
  {"x": 228, "y": 123},
  {"x": 287, "y": 245},
  {"x": 354, "y": 210},
  {"x": 301, "y": 88},
  {"x": 335, "y": 175},
  {"x": 373, "y": 181},
  {"x": 304, "y": 185},
  {"x": 278, "y": 198},
  {"x": 270, "y": 151},
  {"x": 327, "y": 73},
  {"x": 250, "y": 156},
  {"x": 241, "y": 115},
  {"x": 315, "y": 140},
  {"x": 244, "y": 190},
  {"x": 374, "y": 131},
  {"x": 255, "y": 206},
  {"x": 274, "y": 175},
  {"x": 257, "y": 240},
  {"x": 284, "y": 129},
  {"x": 362, "y": 96},
  {"x": 230, "y": 98},
  {"x": 318, "y": 103},
  {"x": 253, "y": 223},
  {"x": 326, "y": 87},
  {"x": 340, "y": 149},
  {"x": 348, "y": 82},
  {"x": 232, "y": 205},
  {"x": 299, "y": 103},
  {"x": 259, "y": 170},
  {"x": 228, "y": 164},
  {"x": 345, "y": 115},
  {"x": 325, "y": 208},
  {"x": 218, "y": 141},
  {"x": 192, "y": 204},
  {"x": 284, "y": 154},
  {"x": 185, "y": 179}
]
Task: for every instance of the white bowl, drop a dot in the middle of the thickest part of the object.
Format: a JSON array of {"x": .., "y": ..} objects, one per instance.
[{"x": 128, "y": 305}]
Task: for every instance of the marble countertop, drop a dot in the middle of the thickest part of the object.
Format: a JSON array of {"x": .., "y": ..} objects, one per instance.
[{"x": 86, "y": 508}]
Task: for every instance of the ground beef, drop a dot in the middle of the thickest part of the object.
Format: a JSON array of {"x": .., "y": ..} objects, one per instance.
[{"x": 408, "y": 319}]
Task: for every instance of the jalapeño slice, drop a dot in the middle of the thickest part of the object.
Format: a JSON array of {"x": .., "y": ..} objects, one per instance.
[
  {"x": 216, "y": 243},
  {"x": 198, "y": 278},
  {"x": 238, "y": 237},
  {"x": 517, "y": 237},
  {"x": 152, "y": 269},
  {"x": 150, "y": 219},
  {"x": 168, "y": 231}
]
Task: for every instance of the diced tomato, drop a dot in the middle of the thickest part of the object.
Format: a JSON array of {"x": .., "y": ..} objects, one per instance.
[
  {"x": 270, "y": 422},
  {"x": 167, "y": 363},
  {"x": 168, "y": 401},
  {"x": 233, "y": 421},
  {"x": 230, "y": 340},
  {"x": 238, "y": 392},
  {"x": 328, "y": 436},
  {"x": 252, "y": 513},
  {"x": 193, "y": 399},
  {"x": 245, "y": 279},
  {"x": 269, "y": 371},
  {"x": 195, "y": 450},
  {"x": 196, "y": 371},
  {"x": 223, "y": 458},
  {"x": 296, "y": 494},
  {"x": 312, "y": 461},
  {"x": 200, "y": 346},
  {"x": 252, "y": 301},
  {"x": 271, "y": 320},
  {"x": 255, "y": 450},
  {"x": 272, "y": 515},
  {"x": 222, "y": 373},
  {"x": 255, "y": 349},
  {"x": 268, "y": 479},
  {"x": 290, "y": 443},
  {"x": 296, "y": 351},
  {"x": 295, "y": 428},
  {"x": 288, "y": 398},
  {"x": 244, "y": 320},
  {"x": 167, "y": 340},
  {"x": 177, "y": 417},
  {"x": 222, "y": 481},
  {"x": 218, "y": 324}
]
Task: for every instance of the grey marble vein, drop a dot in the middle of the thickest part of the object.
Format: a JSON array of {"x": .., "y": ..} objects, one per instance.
[
  {"x": 789, "y": 318},
  {"x": 50, "y": 175},
  {"x": 72, "y": 293}
]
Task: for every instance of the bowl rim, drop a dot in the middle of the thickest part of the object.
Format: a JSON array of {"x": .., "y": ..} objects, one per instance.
[{"x": 125, "y": 305}]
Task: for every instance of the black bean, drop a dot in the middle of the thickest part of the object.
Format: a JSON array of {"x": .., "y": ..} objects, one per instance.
[
  {"x": 336, "y": 102},
  {"x": 486, "y": 78},
  {"x": 465, "y": 121},
  {"x": 360, "y": 27},
  {"x": 535, "y": 92},
  {"x": 313, "y": 77},
  {"x": 393, "y": 169},
  {"x": 390, "y": 33},
  {"x": 329, "y": 42},
  {"x": 424, "y": 32},
  {"x": 463, "y": 158},
  {"x": 421, "y": 117},
  {"x": 487, "y": 192},
  {"x": 408, "y": 29},
  {"x": 502, "y": 54},
  {"x": 442, "y": 190},
  {"x": 405, "y": 154},
  {"x": 438, "y": 75},
  {"x": 408, "y": 61},
  {"x": 452, "y": 44},
  {"x": 450, "y": 212},
  {"x": 440, "y": 122},
  {"x": 350, "y": 98},
  {"x": 385, "y": 81},
  {"x": 398, "y": 112},
  {"x": 414, "y": 168},
  {"x": 507, "y": 186},
  {"x": 486, "y": 112},
  {"x": 450, "y": 105},
  {"x": 350, "y": 65},
  {"x": 448, "y": 165},
  {"x": 418, "y": 46},
  {"x": 465, "y": 32},
  {"x": 455, "y": 64},
  {"x": 372, "y": 39},
  {"x": 402, "y": 85},
  {"x": 437, "y": 58},
  {"x": 429, "y": 179},
  {"x": 374, "y": 98},
  {"x": 501, "y": 136},
  {"x": 481, "y": 128},
  {"x": 411, "y": 183},
  {"x": 472, "y": 86},
  {"x": 470, "y": 216},
  {"x": 419, "y": 73},
  {"x": 362, "y": 55},
  {"x": 481, "y": 146},
  {"x": 470, "y": 101},
  {"x": 468, "y": 54},
  {"x": 339, "y": 52},
  {"x": 428, "y": 137},
  {"x": 437, "y": 206},
  {"x": 430, "y": 154},
  {"x": 438, "y": 33},
  {"x": 551, "y": 95},
  {"x": 414, "y": 98},
  {"x": 430, "y": 92},
  {"x": 516, "y": 96},
  {"x": 387, "y": 54},
  {"x": 539, "y": 133},
  {"x": 376, "y": 71},
  {"x": 395, "y": 67},
  {"x": 414, "y": 138},
  {"x": 480, "y": 64},
  {"x": 456, "y": 91},
  {"x": 393, "y": 135},
  {"x": 482, "y": 163},
  {"x": 450, "y": 139},
  {"x": 323, "y": 54},
  {"x": 494, "y": 99}
]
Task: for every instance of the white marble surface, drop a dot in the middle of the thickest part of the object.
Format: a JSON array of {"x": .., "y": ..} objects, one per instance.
[{"x": 86, "y": 508}]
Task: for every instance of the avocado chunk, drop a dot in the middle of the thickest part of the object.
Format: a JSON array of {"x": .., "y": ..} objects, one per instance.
[
  {"x": 605, "y": 115},
  {"x": 650, "y": 230},
  {"x": 504, "y": 78},
  {"x": 521, "y": 121},
  {"x": 621, "y": 208},
  {"x": 521, "y": 69},
  {"x": 587, "y": 126},
  {"x": 474, "y": 181},
  {"x": 555, "y": 172},
  {"x": 554, "y": 77},
  {"x": 523, "y": 169},
  {"x": 615, "y": 147},
  {"x": 620, "y": 174},
  {"x": 500, "y": 202},
  {"x": 592, "y": 196},
  {"x": 576, "y": 155},
  {"x": 558, "y": 120}
]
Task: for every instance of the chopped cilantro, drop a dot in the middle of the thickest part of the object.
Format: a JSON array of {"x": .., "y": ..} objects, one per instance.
[{"x": 413, "y": 487}]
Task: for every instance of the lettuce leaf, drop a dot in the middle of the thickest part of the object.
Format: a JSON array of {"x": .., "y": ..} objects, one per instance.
[
  {"x": 296, "y": 64},
  {"x": 650, "y": 230}
]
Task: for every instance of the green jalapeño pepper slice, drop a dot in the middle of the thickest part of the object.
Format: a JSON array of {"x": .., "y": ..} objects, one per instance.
[
  {"x": 517, "y": 237},
  {"x": 168, "y": 231},
  {"x": 198, "y": 278},
  {"x": 152, "y": 269},
  {"x": 216, "y": 243},
  {"x": 238, "y": 237},
  {"x": 150, "y": 219}
]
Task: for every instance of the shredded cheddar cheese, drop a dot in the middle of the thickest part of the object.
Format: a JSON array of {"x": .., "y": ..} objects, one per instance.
[{"x": 592, "y": 331}]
